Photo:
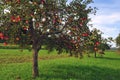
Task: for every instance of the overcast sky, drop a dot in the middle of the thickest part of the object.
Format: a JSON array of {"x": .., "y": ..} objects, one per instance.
[{"x": 107, "y": 18}]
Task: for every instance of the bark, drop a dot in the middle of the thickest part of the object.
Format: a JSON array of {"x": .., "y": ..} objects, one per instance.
[
  {"x": 36, "y": 48},
  {"x": 81, "y": 55},
  {"x": 35, "y": 71}
]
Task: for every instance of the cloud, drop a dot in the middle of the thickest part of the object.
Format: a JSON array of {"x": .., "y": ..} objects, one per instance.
[
  {"x": 108, "y": 13},
  {"x": 107, "y": 32},
  {"x": 106, "y": 18},
  {"x": 108, "y": 24}
]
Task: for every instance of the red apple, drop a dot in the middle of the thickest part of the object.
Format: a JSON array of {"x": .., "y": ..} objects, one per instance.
[
  {"x": 95, "y": 49},
  {"x": 1, "y": 36},
  {"x": 5, "y": 43},
  {"x": 13, "y": 19},
  {"x": 84, "y": 34},
  {"x": 78, "y": 38},
  {"x": 83, "y": 19},
  {"x": 81, "y": 24},
  {"x": 26, "y": 21},
  {"x": 97, "y": 43},
  {"x": 17, "y": 39},
  {"x": 17, "y": 19},
  {"x": 25, "y": 28},
  {"x": 42, "y": 1}
]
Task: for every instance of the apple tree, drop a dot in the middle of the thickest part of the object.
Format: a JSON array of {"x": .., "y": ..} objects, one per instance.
[
  {"x": 52, "y": 23},
  {"x": 96, "y": 43}
]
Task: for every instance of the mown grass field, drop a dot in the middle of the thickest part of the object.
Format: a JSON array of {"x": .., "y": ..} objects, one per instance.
[{"x": 16, "y": 65}]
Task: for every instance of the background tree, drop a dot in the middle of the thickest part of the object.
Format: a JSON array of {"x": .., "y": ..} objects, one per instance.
[
  {"x": 52, "y": 23},
  {"x": 95, "y": 42},
  {"x": 118, "y": 41}
]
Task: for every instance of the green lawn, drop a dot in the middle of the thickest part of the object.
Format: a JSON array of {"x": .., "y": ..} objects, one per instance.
[{"x": 16, "y": 65}]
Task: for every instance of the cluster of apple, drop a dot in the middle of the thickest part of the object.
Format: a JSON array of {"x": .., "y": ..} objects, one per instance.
[
  {"x": 25, "y": 28},
  {"x": 3, "y": 37},
  {"x": 96, "y": 44},
  {"x": 82, "y": 19},
  {"x": 15, "y": 19},
  {"x": 76, "y": 42},
  {"x": 85, "y": 34}
]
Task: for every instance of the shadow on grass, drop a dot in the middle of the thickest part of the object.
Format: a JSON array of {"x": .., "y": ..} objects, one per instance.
[
  {"x": 108, "y": 58},
  {"x": 79, "y": 72}
]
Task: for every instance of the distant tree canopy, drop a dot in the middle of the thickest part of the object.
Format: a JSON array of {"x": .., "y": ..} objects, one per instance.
[{"x": 118, "y": 40}]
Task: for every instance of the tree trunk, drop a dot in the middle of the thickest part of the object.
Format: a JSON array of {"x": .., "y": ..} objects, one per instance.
[
  {"x": 35, "y": 71},
  {"x": 95, "y": 54},
  {"x": 35, "y": 47},
  {"x": 71, "y": 53}
]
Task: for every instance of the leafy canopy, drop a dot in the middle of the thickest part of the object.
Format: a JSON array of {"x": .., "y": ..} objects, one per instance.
[{"x": 53, "y": 23}]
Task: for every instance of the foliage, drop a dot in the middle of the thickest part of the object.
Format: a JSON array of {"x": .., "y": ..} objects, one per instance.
[
  {"x": 45, "y": 23},
  {"x": 98, "y": 41},
  {"x": 118, "y": 41},
  {"x": 95, "y": 42}
]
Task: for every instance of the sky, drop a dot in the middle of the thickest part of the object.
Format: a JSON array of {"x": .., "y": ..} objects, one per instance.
[{"x": 107, "y": 18}]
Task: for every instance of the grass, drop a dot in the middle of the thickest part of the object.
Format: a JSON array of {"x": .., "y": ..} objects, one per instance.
[{"x": 16, "y": 65}]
